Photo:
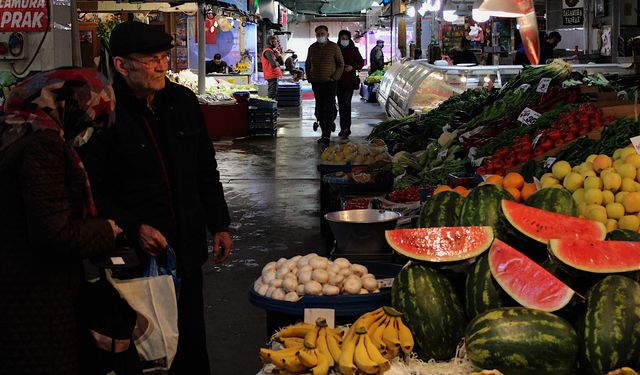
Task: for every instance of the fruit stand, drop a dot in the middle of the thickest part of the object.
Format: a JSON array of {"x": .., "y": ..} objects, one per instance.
[{"x": 524, "y": 255}]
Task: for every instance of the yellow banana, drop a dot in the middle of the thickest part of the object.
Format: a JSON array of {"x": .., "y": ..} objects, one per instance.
[
  {"x": 292, "y": 342},
  {"x": 308, "y": 357},
  {"x": 322, "y": 368},
  {"x": 376, "y": 336},
  {"x": 390, "y": 335},
  {"x": 372, "y": 331},
  {"x": 345, "y": 363},
  {"x": 405, "y": 336},
  {"x": 391, "y": 352},
  {"x": 375, "y": 355},
  {"x": 334, "y": 347},
  {"x": 323, "y": 346},
  {"x": 362, "y": 359},
  {"x": 293, "y": 364},
  {"x": 365, "y": 321},
  {"x": 311, "y": 337},
  {"x": 296, "y": 330},
  {"x": 279, "y": 357}
]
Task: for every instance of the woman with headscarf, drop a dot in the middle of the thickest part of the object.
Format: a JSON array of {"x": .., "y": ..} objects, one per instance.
[
  {"x": 349, "y": 81},
  {"x": 48, "y": 222}
]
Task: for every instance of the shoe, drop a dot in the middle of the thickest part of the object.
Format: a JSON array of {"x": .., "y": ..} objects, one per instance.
[
  {"x": 315, "y": 126},
  {"x": 341, "y": 134},
  {"x": 324, "y": 140},
  {"x": 333, "y": 127}
]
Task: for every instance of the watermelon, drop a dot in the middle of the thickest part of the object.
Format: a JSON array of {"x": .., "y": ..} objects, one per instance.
[
  {"x": 482, "y": 207},
  {"x": 517, "y": 340},
  {"x": 443, "y": 210},
  {"x": 555, "y": 200},
  {"x": 623, "y": 235},
  {"x": 597, "y": 256},
  {"x": 525, "y": 281},
  {"x": 431, "y": 310},
  {"x": 442, "y": 244},
  {"x": 543, "y": 226},
  {"x": 482, "y": 293},
  {"x": 612, "y": 325}
]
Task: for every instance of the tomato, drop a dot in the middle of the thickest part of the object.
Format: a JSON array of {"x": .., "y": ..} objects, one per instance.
[
  {"x": 554, "y": 135},
  {"x": 547, "y": 144},
  {"x": 481, "y": 171},
  {"x": 539, "y": 151},
  {"x": 523, "y": 158},
  {"x": 559, "y": 143},
  {"x": 510, "y": 160},
  {"x": 569, "y": 137}
]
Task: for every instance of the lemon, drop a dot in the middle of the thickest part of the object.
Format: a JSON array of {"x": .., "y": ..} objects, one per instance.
[
  {"x": 548, "y": 182},
  {"x": 626, "y": 170},
  {"x": 601, "y": 162},
  {"x": 591, "y": 158},
  {"x": 638, "y": 174},
  {"x": 608, "y": 197},
  {"x": 582, "y": 209},
  {"x": 556, "y": 186},
  {"x": 633, "y": 159},
  {"x": 612, "y": 181},
  {"x": 620, "y": 196},
  {"x": 606, "y": 172},
  {"x": 561, "y": 168},
  {"x": 616, "y": 154},
  {"x": 624, "y": 154},
  {"x": 630, "y": 222},
  {"x": 578, "y": 195},
  {"x": 628, "y": 184},
  {"x": 615, "y": 210},
  {"x": 586, "y": 166},
  {"x": 598, "y": 213},
  {"x": 593, "y": 196},
  {"x": 618, "y": 163},
  {"x": 632, "y": 203},
  {"x": 593, "y": 182},
  {"x": 573, "y": 181},
  {"x": 611, "y": 225}
]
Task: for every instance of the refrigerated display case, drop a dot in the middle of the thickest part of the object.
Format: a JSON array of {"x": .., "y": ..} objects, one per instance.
[{"x": 416, "y": 86}]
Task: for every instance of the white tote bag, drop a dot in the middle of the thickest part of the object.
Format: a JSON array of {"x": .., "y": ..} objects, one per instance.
[{"x": 156, "y": 330}]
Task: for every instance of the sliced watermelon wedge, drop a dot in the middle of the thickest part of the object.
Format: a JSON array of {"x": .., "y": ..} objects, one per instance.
[
  {"x": 525, "y": 281},
  {"x": 597, "y": 256},
  {"x": 542, "y": 226},
  {"x": 440, "y": 244}
]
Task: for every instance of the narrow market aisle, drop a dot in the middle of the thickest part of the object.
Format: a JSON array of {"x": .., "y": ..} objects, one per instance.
[{"x": 272, "y": 188}]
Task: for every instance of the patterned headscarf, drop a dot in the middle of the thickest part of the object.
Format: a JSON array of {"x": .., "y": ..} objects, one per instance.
[{"x": 67, "y": 100}]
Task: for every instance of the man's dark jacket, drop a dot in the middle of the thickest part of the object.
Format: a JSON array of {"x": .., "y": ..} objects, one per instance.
[{"x": 178, "y": 193}]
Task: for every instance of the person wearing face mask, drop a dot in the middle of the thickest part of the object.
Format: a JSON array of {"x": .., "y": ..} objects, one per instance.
[
  {"x": 271, "y": 66},
  {"x": 353, "y": 62},
  {"x": 324, "y": 68},
  {"x": 376, "y": 57}
]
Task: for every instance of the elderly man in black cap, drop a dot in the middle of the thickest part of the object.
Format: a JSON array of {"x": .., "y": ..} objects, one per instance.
[{"x": 155, "y": 172}]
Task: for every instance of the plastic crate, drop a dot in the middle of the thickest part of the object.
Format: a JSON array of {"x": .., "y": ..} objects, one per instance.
[{"x": 259, "y": 103}]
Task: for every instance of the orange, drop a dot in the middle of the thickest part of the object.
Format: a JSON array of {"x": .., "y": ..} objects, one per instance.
[
  {"x": 495, "y": 179},
  {"x": 441, "y": 188},
  {"x": 528, "y": 190},
  {"x": 461, "y": 190},
  {"x": 515, "y": 193},
  {"x": 513, "y": 180}
]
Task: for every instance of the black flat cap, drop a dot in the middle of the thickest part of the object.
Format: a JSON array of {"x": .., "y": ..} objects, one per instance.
[{"x": 136, "y": 37}]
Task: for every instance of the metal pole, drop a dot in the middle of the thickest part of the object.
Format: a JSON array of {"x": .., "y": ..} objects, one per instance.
[{"x": 201, "y": 49}]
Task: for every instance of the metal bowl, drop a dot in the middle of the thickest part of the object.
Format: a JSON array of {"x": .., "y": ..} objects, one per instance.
[{"x": 361, "y": 231}]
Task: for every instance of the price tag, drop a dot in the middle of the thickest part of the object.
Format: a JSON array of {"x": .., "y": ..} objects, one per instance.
[
  {"x": 117, "y": 261},
  {"x": 543, "y": 86},
  {"x": 312, "y": 315},
  {"x": 535, "y": 140},
  {"x": 242, "y": 66},
  {"x": 636, "y": 143},
  {"x": 443, "y": 154},
  {"x": 549, "y": 162},
  {"x": 528, "y": 116},
  {"x": 385, "y": 283}
]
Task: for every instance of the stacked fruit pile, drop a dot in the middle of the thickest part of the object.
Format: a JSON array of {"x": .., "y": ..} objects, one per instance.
[
  {"x": 354, "y": 153},
  {"x": 606, "y": 189},
  {"x": 513, "y": 183}
]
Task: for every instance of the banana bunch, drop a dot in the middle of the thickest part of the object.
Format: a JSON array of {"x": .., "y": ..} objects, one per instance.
[
  {"x": 374, "y": 339},
  {"x": 308, "y": 349}
]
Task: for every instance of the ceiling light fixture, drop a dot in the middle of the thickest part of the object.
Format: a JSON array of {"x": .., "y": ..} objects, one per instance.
[
  {"x": 477, "y": 14},
  {"x": 449, "y": 12},
  {"x": 411, "y": 11}
]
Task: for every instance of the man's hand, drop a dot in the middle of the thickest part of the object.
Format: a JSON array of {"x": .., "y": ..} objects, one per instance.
[
  {"x": 224, "y": 239},
  {"x": 114, "y": 228},
  {"x": 348, "y": 68},
  {"x": 151, "y": 240}
]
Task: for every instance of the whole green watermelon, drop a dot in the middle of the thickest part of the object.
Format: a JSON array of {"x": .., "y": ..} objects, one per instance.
[
  {"x": 443, "y": 210},
  {"x": 483, "y": 207},
  {"x": 623, "y": 235},
  {"x": 482, "y": 292},
  {"x": 431, "y": 310},
  {"x": 555, "y": 200},
  {"x": 517, "y": 340},
  {"x": 612, "y": 325}
]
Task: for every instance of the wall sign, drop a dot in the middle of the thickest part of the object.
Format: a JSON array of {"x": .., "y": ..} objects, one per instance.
[
  {"x": 23, "y": 15},
  {"x": 572, "y": 12}
]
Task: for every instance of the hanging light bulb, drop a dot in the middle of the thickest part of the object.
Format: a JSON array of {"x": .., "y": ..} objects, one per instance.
[
  {"x": 411, "y": 11},
  {"x": 449, "y": 12},
  {"x": 477, "y": 14}
]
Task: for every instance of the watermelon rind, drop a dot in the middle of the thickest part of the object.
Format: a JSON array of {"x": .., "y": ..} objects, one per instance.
[
  {"x": 482, "y": 208},
  {"x": 442, "y": 210},
  {"x": 525, "y": 281},
  {"x": 555, "y": 200},
  {"x": 517, "y": 340},
  {"x": 482, "y": 292},
  {"x": 441, "y": 244},
  {"x": 611, "y": 329},
  {"x": 595, "y": 255},
  {"x": 431, "y": 309},
  {"x": 533, "y": 221},
  {"x": 623, "y": 235}
]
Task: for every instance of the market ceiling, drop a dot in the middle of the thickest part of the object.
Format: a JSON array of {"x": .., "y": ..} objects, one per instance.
[{"x": 326, "y": 6}]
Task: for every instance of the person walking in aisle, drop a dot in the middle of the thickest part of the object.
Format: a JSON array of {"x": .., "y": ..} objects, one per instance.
[
  {"x": 349, "y": 80},
  {"x": 376, "y": 57},
  {"x": 324, "y": 68},
  {"x": 155, "y": 172},
  {"x": 271, "y": 66},
  {"x": 48, "y": 220}
]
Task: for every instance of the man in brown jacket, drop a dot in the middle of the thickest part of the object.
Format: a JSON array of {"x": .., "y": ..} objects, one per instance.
[{"x": 324, "y": 67}]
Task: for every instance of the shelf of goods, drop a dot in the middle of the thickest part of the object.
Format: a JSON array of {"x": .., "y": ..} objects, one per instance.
[{"x": 416, "y": 85}]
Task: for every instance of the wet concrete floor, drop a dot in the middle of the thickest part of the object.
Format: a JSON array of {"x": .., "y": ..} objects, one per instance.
[{"x": 272, "y": 188}]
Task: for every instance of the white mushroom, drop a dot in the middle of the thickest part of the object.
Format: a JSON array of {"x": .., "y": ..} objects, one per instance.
[
  {"x": 270, "y": 291},
  {"x": 304, "y": 277},
  {"x": 319, "y": 263},
  {"x": 352, "y": 285},
  {"x": 336, "y": 280},
  {"x": 282, "y": 272},
  {"x": 263, "y": 289},
  {"x": 359, "y": 269},
  {"x": 291, "y": 297},
  {"x": 346, "y": 272},
  {"x": 320, "y": 276},
  {"x": 290, "y": 284},
  {"x": 330, "y": 290},
  {"x": 312, "y": 288},
  {"x": 278, "y": 294},
  {"x": 276, "y": 283},
  {"x": 333, "y": 268},
  {"x": 266, "y": 279},
  {"x": 342, "y": 262},
  {"x": 369, "y": 284},
  {"x": 300, "y": 290},
  {"x": 280, "y": 262},
  {"x": 364, "y": 291}
]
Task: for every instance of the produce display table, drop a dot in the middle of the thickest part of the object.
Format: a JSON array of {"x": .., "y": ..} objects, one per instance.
[
  {"x": 226, "y": 120},
  {"x": 234, "y": 79}
]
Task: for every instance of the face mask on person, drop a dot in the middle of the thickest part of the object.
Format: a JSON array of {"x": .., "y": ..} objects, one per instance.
[
  {"x": 344, "y": 43},
  {"x": 322, "y": 39}
]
